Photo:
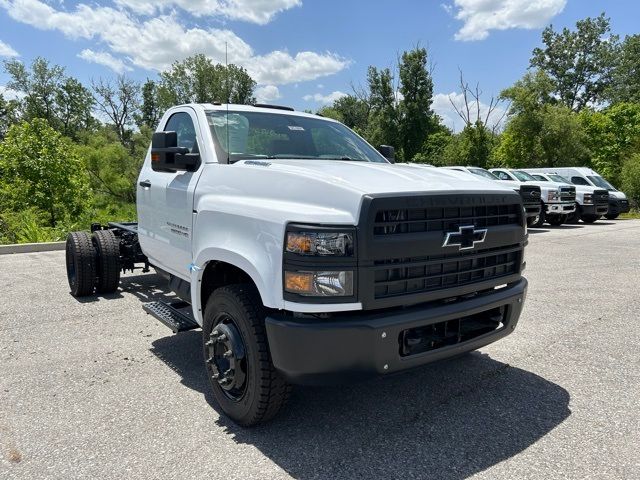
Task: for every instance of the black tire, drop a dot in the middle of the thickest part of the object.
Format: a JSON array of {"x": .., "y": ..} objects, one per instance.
[
  {"x": 81, "y": 264},
  {"x": 107, "y": 249},
  {"x": 237, "y": 309},
  {"x": 612, "y": 216},
  {"x": 574, "y": 217},
  {"x": 589, "y": 218},
  {"x": 531, "y": 221},
  {"x": 556, "y": 220},
  {"x": 540, "y": 219}
]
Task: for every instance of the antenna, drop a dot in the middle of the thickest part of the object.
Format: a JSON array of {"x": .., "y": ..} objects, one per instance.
[{"x": 226, "y": 64}]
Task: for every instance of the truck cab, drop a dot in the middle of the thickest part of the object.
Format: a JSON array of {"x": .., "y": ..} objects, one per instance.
[
  {"x": 530, "y": 194},
  {"x": 306, "y": 256},
  {"x": 591, "y": 203},
  {"x": 583, "y": 176},
  {"x": 558, "y": 199}
]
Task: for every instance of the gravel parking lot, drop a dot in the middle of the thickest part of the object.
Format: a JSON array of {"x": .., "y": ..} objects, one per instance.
[{"x": 98, "y": 389}]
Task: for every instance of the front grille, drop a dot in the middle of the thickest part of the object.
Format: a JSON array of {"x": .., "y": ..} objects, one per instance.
[
  {"x": 567, "y": 194},
  {"x": 530, "y": 194},
  {"x": 420, "y": 248},
  {"x": 425, "y": 274},
  {"x": 435, "y": 219},
  {"x": 600, "y": 197}
]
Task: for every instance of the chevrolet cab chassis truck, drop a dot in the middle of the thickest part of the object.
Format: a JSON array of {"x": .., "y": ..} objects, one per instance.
[
  {"x": 306, "y": 256},
  {"x": 531, "y": 194}
]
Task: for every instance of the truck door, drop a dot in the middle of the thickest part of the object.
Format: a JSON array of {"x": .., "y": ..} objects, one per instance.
[{"x": 165, "y": 202}]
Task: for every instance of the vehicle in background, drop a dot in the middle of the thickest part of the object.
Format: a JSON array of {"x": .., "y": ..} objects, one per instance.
[
  {"x": 558, "y": 200},
  {"x": 530, "y": 194},
  {"x": 591, "y": 203},
  {"x": 618, "y": 202}
]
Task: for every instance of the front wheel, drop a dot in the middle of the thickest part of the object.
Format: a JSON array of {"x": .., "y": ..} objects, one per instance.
[
  {"x": 243, "y": 379},
  {"x": 538, "y": 221},
  {"x": 612, "y": 216}
]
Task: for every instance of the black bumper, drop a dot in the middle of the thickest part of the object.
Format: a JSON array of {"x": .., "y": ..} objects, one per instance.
[
  {"x": 532, "y": 209},
  {"x": 599, "y": 209},
  {"x": 617, "y": 206},
  {"x": 349, "y": 347}
]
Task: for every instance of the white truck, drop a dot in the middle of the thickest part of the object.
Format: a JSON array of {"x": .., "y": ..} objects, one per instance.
[
  {"x": 305, "y": 256},
  {"x": 618, "y": 202},
  {"x": 591, "y": 203},
  {"x": 531, "y": 194},
  {"x": 558, "y": 200}
]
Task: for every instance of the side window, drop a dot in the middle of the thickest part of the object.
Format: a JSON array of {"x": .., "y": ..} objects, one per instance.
[
  {"x": 579, "y": 181},
  {"x": 502, "y": 175},
  {"x": 182, "y": 124}
]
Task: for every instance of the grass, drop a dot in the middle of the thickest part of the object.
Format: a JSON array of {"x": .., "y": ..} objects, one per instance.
[{"x": 633, "y": 214}]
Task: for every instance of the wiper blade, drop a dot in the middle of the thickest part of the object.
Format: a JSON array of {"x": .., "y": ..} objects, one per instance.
[{"x": 346, "y": 158}]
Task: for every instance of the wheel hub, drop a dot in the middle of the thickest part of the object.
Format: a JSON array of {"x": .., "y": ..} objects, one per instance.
[{"x": 226, "y": 357}]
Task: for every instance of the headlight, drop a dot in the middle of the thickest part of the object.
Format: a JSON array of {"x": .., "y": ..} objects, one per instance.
[
  {"x": 588, "y": 198},
  {"x": 319, "y": 284},
  {"x": 337, "y": 244},
  {"x": 553, "y": 195}
]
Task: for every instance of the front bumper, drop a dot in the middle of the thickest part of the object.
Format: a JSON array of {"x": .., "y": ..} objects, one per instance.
[
  {"x": 560, "y": 208},
  {"x": 617, "y": 206},
  {"x": 532, "y": 209},
  {"x": 348, "y": 347},
  {"x": 599, "y": 209}
]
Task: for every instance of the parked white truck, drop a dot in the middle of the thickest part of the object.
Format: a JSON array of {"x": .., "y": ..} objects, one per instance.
[
  {"x": 591, "y": 203},
  {"x": 530, "y": 194},
  {"x": 618, "y": 202},
  {"x": 305, "y": 256},
  {"x": 557, "y": 202}
]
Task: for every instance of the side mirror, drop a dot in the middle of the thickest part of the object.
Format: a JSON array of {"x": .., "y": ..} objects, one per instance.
[
  {"x": 388, "y": 152},
  {"x": 166, "y": 156}
]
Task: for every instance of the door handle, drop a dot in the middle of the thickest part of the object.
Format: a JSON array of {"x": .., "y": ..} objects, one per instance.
[{"x": 145, "y": 184}]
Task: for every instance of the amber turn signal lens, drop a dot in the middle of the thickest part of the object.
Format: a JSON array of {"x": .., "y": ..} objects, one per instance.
[
  {"x": 296, "y": 282},
  {"x": 298, "y": 243},
  {"x": 155, "y": 157}
]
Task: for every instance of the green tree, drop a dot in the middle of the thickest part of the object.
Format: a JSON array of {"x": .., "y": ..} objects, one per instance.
[
  {"x": 630, "y": 178},
  {"x": 625, "y": 84},
  {"x": 613, "y": 135},
  {"x": 9, "y": 114},
  {"x": 119, "y": 102},
  {"x": 47, "y": 93},
  {"x": 434, "y": 147},
  {"x": 415, "y": 115},
  {"x": 382, "y": 128},
  {"x": 350, "y": 110},
  {"x": 149, "y": 113},
  {"x": 197, "y": 79},
  {"x": 40, "y": 169},
  {"x": 580, "y": 62}
]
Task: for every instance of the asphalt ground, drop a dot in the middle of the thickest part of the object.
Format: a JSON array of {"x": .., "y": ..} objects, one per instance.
[{"x": 98, "y": 389}]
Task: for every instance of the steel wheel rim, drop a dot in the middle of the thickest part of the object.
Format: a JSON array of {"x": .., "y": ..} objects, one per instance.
[{"x": 226, "y": 357}]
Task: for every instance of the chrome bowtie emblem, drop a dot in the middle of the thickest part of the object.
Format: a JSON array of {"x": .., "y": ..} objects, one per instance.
[{"x": 465, "y": 238}]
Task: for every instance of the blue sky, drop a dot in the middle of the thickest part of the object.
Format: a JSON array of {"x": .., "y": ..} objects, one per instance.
[{"x": 303, "y": 53}]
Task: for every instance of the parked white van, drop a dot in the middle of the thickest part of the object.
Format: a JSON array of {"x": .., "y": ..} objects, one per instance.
[{"x": 618, "y": 202}]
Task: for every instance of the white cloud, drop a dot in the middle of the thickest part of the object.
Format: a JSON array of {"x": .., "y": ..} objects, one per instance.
[
  {"x": 267, "y": 93},
  {"x": 155, "y": 43},
  {"x": 10, "y": 94},
  {"x": 7, "y": 51},
  {"x": 325, "y": 99},
  {"x": 106, "y": 59},
  {"x": 254, "y": 11},
  {"x": 442, "y": 106},
  {"x": 481, "y": 16}
]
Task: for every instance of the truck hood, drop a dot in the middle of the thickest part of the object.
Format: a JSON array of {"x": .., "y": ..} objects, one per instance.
[{"x": 372, "y": 178}]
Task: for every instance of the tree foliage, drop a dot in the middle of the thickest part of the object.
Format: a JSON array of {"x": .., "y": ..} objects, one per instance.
[
  {"x": 580, "y": 62},
  {"x": 625, "y": 82},
  {"x": 119, "y": 101},
  {"x": 40, "y": 169},
  {"x": 197, "y": 79}
]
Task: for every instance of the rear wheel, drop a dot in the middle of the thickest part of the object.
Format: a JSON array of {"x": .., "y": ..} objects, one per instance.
[
  {"x": 107, "y": 249},
  {"x": 613, "y": 216},
  {"x": 589, "y": 218},
  {"x": 243, "y": 379},
  {"x": 81, "y": 264}
]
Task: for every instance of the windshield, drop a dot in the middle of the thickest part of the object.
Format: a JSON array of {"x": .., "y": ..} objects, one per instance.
[
  {"x": 598, "y": 181},
  {"x": 258, "y": 135},
  {"x": 481, "y": 172},
  {"x": 523, "y": 176},
  {"x": 558, "y": 178}
]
